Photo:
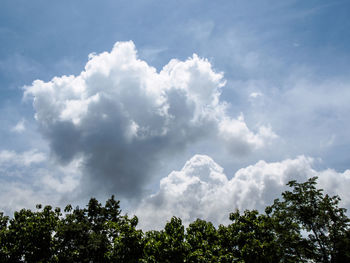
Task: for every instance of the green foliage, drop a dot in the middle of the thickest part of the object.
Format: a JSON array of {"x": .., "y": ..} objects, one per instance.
[
  {"x": 127, "y": 242},
  {"x": 304, "y": 226},
  {"x": 167, "y": 245},
  {"x": 84, "y": 235},
  {"x": 310, "y": 225},
  {"x": 250, "y": 237},
  {"x": 203, "y": 240},
  {"x": 30, "y": 236}
]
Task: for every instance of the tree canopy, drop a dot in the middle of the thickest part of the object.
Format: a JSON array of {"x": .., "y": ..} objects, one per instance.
[{"x": 304, "y": 225}]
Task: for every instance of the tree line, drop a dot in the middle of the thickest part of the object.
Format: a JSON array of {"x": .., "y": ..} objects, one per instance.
[{"x": 304, "y": 225}]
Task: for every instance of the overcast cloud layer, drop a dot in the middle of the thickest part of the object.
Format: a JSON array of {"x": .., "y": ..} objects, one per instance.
[{"x": 121, "y": 117}]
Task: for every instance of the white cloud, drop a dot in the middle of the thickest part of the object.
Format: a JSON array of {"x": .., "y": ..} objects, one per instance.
[
  {"x": 27, "y": 158},
  {"x": 239, "y": 139},
  {"x": 255, "y": 95},
  {"x": 28, "y": 178},
  {"x": 19, "y": 127},
  {"x": 202, "y": 190},
  {"x": 121, "y": 116}
]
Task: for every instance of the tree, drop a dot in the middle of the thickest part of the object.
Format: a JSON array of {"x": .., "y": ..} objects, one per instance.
[
  {"x": 29, "y": 236},
  {"x": 304, "y": 226},
  {"x": 85, "y": 235},
  {"x": 318, "y": 228},
  {"x": 127, "y": 242},
  {"x": 168, "y": 245},
  {"x": 4, "y": 250},
  {"x": 249, "y": 238},
  {"x": 203, "y": 241}
]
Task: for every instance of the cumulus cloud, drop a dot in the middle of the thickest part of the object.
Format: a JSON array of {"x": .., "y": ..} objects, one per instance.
[
  {"x": 121, "y": 116},
  {"x": 202, "y": 190},
  {"x": 239, "y": 139}
]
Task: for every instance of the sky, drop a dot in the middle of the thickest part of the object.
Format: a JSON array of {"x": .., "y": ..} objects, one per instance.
[{"x": 178, "y": 108}]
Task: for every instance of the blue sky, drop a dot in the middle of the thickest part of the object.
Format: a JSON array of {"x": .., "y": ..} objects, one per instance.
[{"x": 271, "y": 83}]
